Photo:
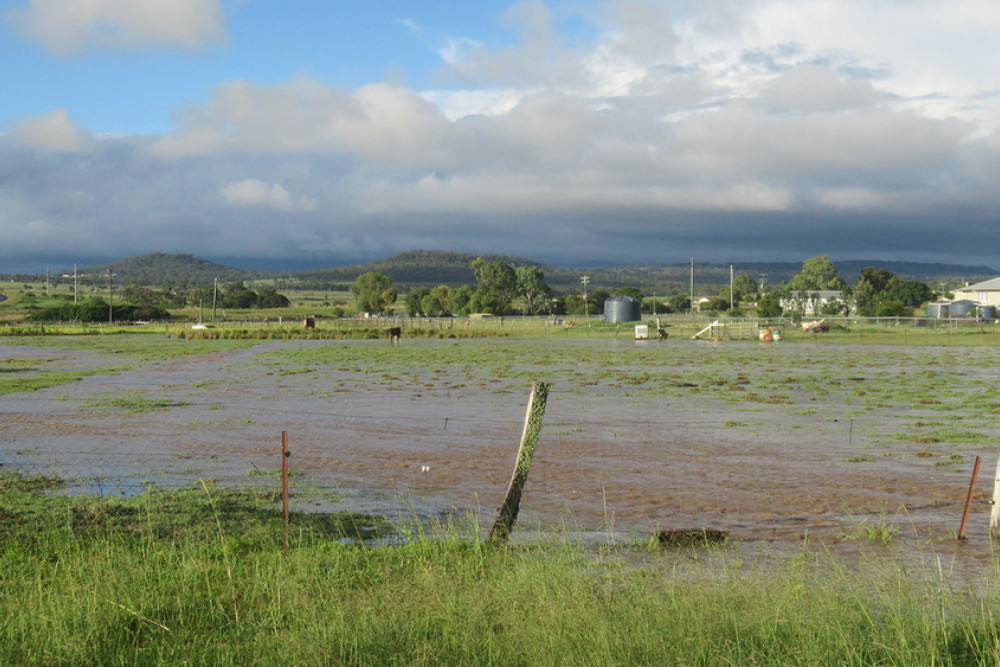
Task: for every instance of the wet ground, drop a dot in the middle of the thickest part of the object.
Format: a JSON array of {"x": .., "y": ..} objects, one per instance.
[{"x": 855, "y": 449}]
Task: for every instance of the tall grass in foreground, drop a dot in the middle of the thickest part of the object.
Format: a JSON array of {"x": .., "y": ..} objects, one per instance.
[{"x": 199, "y": 576}]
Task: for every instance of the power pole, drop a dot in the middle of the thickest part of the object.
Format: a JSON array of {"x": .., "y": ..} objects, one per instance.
[
  {"x": 692, "y": 284},
  {"x": 111, "y": 298},
  {"x": 215, "y": 294},
  {"x": 74, "y": 284},
  {"x": 586, "y": 306}
]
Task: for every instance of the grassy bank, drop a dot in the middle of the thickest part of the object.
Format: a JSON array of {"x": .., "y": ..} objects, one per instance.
[{"x": 200, "y": 576}]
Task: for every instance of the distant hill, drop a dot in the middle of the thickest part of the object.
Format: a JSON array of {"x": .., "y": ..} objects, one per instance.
[
  {"x": 434, "y": 267},
  {"x": 417, "y": 267},
  {"x": 158, "y": 268}
]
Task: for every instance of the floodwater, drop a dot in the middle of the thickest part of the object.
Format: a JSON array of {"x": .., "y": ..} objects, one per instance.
[{"x": 619, "y": 458}]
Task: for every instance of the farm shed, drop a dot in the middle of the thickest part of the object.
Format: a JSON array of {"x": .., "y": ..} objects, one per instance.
[
  {"x": 938, "y": 309},
  {"x": 622, "y": 309}
]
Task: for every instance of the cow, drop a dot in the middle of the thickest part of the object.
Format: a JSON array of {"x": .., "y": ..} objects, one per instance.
[
  {"x": 394, "y": 334},
  {"x": 661, "y": 334}
]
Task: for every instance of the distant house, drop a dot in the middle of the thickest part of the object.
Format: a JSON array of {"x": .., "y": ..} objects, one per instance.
[
  {"x": 986, "y": 293},
  {"x": 812, "y": 302}
]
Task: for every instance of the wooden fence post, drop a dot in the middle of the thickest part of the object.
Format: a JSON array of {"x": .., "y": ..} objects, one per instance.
[
  {"x": 968, "y": 499},
  {"x": 284, "y": 482},
  {"x": 507, "y": 514}
]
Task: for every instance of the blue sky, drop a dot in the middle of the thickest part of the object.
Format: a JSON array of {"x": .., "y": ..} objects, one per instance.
[{"x": 309, "y": 133}]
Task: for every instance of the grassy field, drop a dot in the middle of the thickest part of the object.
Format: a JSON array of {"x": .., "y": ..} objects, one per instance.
[{"x": 200, "y": 576}]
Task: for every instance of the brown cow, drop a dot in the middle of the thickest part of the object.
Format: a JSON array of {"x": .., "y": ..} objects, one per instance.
[{"x": 394, "y": 334}]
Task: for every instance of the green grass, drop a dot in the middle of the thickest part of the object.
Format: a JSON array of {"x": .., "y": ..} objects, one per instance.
[
  {"x": 129, "y": 403},
  {"x": 38, "y": 379},
  {"x": 199, "y": 576}
]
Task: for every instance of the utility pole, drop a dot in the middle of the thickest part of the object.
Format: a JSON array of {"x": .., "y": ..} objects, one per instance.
[
  {"x": 692, "y": 284},
  {"x": 586, "y": 306},
  {"x": 111, "y": 298},
  {"x": 74, "y": 284},
  {"x": 731, "y": 304},
  {"x": 215, "y": 294}
]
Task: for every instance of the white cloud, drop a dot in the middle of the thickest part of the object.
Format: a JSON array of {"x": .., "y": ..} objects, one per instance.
[
  {"x": 685, "y": 119},
  {"x": 67, "y": 27},
  {"x": 55, "y": 132},
  {"x": 254, "y": 193}
]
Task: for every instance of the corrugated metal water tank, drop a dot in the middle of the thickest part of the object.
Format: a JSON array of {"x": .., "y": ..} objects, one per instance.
[
  {"x": 988, "y": 313},
  {"x": 961, "y": 308},
  {"x": 622, "y": 309}
]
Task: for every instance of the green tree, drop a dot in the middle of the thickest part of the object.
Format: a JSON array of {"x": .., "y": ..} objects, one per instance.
[
  {"x": 374, "y": 292},
  {"x": 597, "y": 298},
  {"x": 877, "y": 278},
  {"x": 532, "y": 288},
  {"x": 268, "y": 297},
  {"x": 238, "y": 295},
  {"x": 911, "y": 293},
  {"x": 444, "y": 295},
  {"x": 499, "y": 282},
  {"x": 818, "y": 273},
  {"x": 629, "y": 290},
  {"x": 430, "y": 306},
  {"x": 679, "y": 303},
  {"x": 414, "y": 301},
  {"x": 769, "y": 305},
  {"x": 744, "y": 287},
  {"x": 460, "y": 299}
]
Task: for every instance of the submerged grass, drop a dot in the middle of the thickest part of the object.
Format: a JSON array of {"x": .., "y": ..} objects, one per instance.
[{"x": 200, "y": 576}]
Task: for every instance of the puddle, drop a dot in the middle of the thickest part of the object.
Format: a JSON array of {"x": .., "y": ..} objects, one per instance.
[{"x": 773, "y": 445}]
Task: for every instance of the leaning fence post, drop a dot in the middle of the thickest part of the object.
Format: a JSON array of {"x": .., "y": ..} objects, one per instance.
[
  {"x": 968, "y": 499},
  {"x": 284, "y": 482},
  {"x": 507, "y": 514}
]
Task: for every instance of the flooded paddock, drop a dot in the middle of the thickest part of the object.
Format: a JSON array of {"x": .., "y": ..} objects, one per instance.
[{"x": 772, "y": 443}]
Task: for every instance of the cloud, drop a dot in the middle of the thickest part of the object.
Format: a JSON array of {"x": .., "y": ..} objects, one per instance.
[
  {"x": 55, "y": 132},
  {"x": 67, "y": 27},
  {"x": 253, "y": 193},
  {"x": 718, "y": 129},
  {"x": 380, "y": 122}
]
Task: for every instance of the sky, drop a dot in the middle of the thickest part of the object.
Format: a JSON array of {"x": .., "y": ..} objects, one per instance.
[{"x": 317, "y": 133}]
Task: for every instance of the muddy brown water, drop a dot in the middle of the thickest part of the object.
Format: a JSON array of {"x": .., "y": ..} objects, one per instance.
[{"x": 613, "y": 464}]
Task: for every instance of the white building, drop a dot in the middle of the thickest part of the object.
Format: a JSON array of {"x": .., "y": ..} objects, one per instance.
[
  {"x": 812, "y": 302},
  {"x": 986, "y": 293}
]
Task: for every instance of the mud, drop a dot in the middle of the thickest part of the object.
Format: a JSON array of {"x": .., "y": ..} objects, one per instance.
[{"x": 773, "y": 445}]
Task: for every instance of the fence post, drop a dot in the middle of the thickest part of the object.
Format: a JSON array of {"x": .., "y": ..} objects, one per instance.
[
  {"x": 284, "y": 482},
  {"x": 995, "y": 512},
  {"x": 507, "y": 514},
  {"x": 968, "y": 499}
]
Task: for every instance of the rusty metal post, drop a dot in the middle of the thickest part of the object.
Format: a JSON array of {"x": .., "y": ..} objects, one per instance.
[
  {"x": 507, "y": 514},
  {"x": 284, "y": 482},
  {"x": 968, "y": 499}
]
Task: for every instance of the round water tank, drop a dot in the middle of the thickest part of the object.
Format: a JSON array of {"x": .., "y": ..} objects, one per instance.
[
  {"x": 988, "y": 313},
  {"x": 622, "y": 309},
  {"x": 962, "y": 308}
]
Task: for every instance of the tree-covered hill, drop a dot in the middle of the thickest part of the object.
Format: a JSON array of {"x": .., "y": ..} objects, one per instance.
[
  {"x": 431, "y": 268},
  {"x": 418, "y": 267},
  {"x": 160, "y": 268}
]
